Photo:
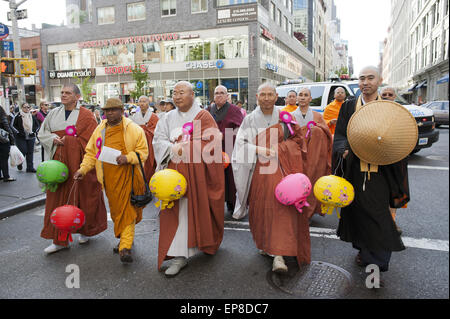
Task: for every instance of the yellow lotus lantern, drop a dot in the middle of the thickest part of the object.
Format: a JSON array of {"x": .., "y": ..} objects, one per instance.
[
  {"x": 167, "y": 185},
  {"x": 333, "y": 192}
]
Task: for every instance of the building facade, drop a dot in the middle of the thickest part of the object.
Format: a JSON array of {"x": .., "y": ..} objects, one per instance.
[{"x": 235, "y": 43}]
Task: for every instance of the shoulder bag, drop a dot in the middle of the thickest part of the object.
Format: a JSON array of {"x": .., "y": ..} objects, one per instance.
[{"x": 140, "y": 200}]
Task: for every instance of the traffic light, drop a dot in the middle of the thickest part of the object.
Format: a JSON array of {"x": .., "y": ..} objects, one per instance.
[
  {"x": 7, "y": 67},
  {"x": 27, "y": 67}
]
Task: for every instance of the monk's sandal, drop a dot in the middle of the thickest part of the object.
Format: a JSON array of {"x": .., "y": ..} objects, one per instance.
[
  {"x": 177, "y": 264},
  {"x": 278, "y": 265}
]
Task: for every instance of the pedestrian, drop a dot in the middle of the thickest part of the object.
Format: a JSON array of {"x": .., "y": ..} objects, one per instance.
[
  {"x": 169, "y": 106},
  {"x": 5, "y": 147},
  {"x": 121, "y": 176},
  {"x": 228, "y": 118},
  {"x": 319, "y": 143},
  {"x": 97, "y": 114},
  {"x": 196, "y": 221},
  {"x": 69, "y": 149},
  {"x": 331, "y": 112},
  {"x": 41, "y": 115},
  {"x": 273, "y": 153},
  {"x": 27, "y": 127},
  {"x": 147, "y": 121},
  {"x": 367, "y": 222},
  {"x": 240, "y": 105}
]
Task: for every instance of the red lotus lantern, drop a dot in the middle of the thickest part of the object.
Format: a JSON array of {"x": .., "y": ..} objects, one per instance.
[
  {"x": 67, "y": 219},
  {"x": 225, "y": 160}
]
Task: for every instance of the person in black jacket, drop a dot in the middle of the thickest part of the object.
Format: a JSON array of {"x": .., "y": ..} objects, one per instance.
[
  {"x": 27, "y": 126},
  {"x": 5, "y": 147}
]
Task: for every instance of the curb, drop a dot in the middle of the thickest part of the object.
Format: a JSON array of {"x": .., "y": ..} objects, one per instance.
[{"x": 16, "y": 209}]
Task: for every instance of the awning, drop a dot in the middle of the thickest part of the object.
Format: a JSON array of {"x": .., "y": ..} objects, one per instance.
[
  {"x": 422, "y": 84},
  {"x": 444, "y": 79},
  {"x": 412, "y": 87}
]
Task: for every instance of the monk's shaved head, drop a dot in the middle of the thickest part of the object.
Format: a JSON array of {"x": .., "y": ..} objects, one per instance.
[{"x": 370, "y": 68}]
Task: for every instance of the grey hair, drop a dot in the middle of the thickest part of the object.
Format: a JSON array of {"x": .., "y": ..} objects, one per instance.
[
  {"x": 144, "y": 97},
  {"x": 221, "y": 87},
  {"x": 267, "y": 85},
  {"x": 74, "y": 87},
  {"x": 384, "y": 88},
  {"x": 371, "y": 67},
  {"x": 188, "y": 84}
]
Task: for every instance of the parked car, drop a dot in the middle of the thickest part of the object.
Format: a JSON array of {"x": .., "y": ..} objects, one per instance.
[
  {"x": 440, "y": 111},
  {"x": 323, "y": 94},
  {"x": 55, "y": 104}
]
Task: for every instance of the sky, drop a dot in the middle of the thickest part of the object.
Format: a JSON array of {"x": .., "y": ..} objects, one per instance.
[{"x": 364, "y": 24}]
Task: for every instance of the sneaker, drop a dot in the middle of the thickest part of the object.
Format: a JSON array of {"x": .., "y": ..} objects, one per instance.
[
  {"x": 125, "y": 255},
  {"x": 178, "y": 263},
  {"x": 19, "y": 167},
  {"x": 278, "y": 265},
  {"x": 54, "y": 248},
  {"x": 9, "y": 179},
  {"x": 31, "y": 170},
  {"x": 83, "y": 239}
]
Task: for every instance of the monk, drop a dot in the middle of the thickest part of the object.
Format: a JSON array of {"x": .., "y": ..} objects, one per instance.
[
  {"x": 331, "y": 112},
  {"x": 291, "y": 101},
  {"x": 196, "y": 221},
  {"x": 70, "y": 149},
  {"x": 228, "y": 117},
  {"x": 146, "y": 119},
  {"x": 121, "y": 175},
  {"x": 319, "y": 143},
  {"x": 264, "y": 153}
]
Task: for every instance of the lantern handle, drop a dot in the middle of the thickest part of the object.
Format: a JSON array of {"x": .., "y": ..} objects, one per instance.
[{"x": 74, "y": 197}]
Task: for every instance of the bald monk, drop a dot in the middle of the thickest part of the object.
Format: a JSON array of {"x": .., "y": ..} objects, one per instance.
[
  {"x": 264, "y": 153},
  {"x": 147, "y": 120},
  {"x": 121, "y": 176},
  {"x": 331, "y": 112},
  {"x": 69, "y": 149},
  {"x": 319, "y": 143},
  {"x": 291, "y": 101}
]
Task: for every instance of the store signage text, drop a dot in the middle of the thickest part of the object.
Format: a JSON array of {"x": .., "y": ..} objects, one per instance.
[
  {"x": 71, "y": 74},
  {"x": 129, "y": 40},
  {"x": 124, "y": 69},
  {"x": 267, "y": 34},
  {"x": 205, "y": 65},
  {"x": 271, "y": 67},
  {"x": 238, "y": 14}
]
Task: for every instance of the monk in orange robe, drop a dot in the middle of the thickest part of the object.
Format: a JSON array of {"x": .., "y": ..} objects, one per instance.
[
  {"x": 291, "y": 102},
  {"x": 331, "y": 112}
]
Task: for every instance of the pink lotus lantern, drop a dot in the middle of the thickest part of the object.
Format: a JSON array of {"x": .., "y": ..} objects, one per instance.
[
  {"x": 294, "y": 189},
  {"x": 71, "y": 130},
  {"x": 188, "y": 128},
  {"x": 287, "y": 118},
  {"x": 310, "y": 125}
]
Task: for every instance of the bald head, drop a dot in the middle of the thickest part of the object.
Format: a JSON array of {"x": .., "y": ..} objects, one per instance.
[
  {"x": 339, "y": 94},
  {"x": 183, "y": 96},
  {"x": 371, "y": 69},
  {"x": 369, "y": 82},
  {"x": 267, "y": 85}
]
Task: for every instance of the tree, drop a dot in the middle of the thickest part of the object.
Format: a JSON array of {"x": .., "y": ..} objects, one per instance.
[
  {"x": 141, "y": 79},
  {"x": 85, "y": 88}
]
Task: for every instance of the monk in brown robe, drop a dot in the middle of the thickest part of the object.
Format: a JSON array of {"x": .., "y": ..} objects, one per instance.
[
  {"x": 277, "y": 230},
  {"x": 319, "y": 144},
  {"x": 146, "y": 119},
  {"x": 70, "y": 149},
  {"x": 228, "y": 118},
  {"x": 196, "y": 222},
  {"x": 122, "y": 174}
]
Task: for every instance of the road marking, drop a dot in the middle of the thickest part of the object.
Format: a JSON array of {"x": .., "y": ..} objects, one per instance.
[
  {"x": 421, "y": 243},
  {"x": 429, "y": 167}
]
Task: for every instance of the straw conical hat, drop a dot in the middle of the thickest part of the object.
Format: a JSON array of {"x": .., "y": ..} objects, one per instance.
[{"x": 382, "y": 132}]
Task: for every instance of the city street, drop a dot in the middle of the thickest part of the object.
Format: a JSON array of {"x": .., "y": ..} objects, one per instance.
[{"x": 237, "y": 270}]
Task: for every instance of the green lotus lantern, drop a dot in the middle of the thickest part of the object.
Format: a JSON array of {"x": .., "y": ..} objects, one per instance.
[{"x": 51, "y": 173}]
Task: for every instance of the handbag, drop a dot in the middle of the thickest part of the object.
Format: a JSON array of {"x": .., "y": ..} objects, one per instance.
[
  {"x": 15, "y": 156},
  {"x": 140, "y": 200},
  {"x": 4, "y": 136}
]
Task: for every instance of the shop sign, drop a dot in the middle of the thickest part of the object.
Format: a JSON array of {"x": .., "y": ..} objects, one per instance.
[
  {"x": 267, "y": 34},
  {"x": 71, "y": 74},
  {"x": 129, "y": 40},
  {"x": 124, "y": 69},
  {"x": 237, "y": 14},
  {"x": 271, "y": 67},
  {"x": 219, "y": 64}
]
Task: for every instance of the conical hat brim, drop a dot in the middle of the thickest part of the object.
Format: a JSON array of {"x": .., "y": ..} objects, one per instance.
[{"x": 382, "y": 132}]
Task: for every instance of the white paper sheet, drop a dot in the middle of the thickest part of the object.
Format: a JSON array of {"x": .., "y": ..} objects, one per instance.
[{"x": 109, "y": 155}]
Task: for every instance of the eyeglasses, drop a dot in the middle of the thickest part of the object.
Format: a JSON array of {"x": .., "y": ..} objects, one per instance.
[
  {"x": 387, "y": 94},
  {"x": 220, "y": 93}
]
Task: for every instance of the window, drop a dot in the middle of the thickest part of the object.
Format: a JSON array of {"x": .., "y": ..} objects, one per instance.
[
  {"x": 105, "y": 15},
  {"x": 272, "y": 11},
  {"x": 168, "y": 7},
  {"x": 221, "y": 3},
  {"x": 198, "y": 6},
  {"x": 136, "y": 11},
  {"x": 316, "y": 94},
  {"x": 290, "y": 29},
  {"x": 285, "y": 24},
  {"x": 26, "y": 54},
  {"x": 34, "y": 53},
  {"x": 279, "y": 17}
]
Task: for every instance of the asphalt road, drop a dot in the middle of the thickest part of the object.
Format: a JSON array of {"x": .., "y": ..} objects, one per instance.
[{"x": 237, "y": 270}]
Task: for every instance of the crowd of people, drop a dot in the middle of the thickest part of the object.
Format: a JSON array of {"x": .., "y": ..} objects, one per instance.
[{"x": 263, "y": 149}]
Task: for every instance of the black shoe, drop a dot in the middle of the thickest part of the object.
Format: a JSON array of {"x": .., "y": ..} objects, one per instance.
[
  {"x": 9, "y": 179},
  {"x": 125, "y": 256},
  {"x": 31, "y": 170},
  {"x": 230, "y": 207},
  {"x": 19, "y": 167}
]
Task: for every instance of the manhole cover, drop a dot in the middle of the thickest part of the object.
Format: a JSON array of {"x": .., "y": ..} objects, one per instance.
[{"x": 317, "y": 280}]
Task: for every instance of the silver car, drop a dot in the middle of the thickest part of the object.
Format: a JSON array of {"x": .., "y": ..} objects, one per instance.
[{"x": 440, "y": 110}]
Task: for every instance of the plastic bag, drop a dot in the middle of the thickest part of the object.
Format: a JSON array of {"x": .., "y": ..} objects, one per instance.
[{"x": 15, "y": 156}]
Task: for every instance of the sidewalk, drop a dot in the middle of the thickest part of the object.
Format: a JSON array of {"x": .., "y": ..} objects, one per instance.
[{"x": 24, "y": 193}]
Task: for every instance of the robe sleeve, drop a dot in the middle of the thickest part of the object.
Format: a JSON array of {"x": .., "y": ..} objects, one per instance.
[
  {"x": 141, "y": 146},
  {"x": 161, "y": 144},
  {"x": 89, "y": 158},
  {"x": 46, "y": 137}
]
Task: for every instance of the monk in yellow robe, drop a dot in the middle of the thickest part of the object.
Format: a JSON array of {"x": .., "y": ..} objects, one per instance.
[
  {"x": 291, "y": 102},
  {"x": 331, "y": 112},
  {"x": 120, "y": 175}
]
